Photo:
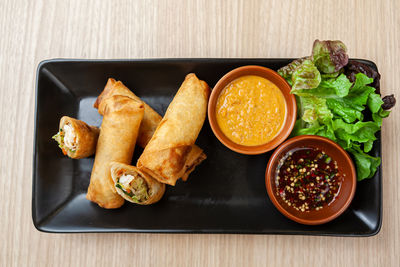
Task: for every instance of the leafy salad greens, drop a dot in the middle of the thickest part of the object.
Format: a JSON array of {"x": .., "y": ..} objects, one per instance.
[{"x": 347, "y": 111}]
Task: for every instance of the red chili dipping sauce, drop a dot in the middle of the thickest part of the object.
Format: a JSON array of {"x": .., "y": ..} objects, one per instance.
[{"x": 307, "y": 179}]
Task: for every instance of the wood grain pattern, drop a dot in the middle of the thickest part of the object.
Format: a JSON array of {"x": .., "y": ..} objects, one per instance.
[{"x": 35, "y": 30}]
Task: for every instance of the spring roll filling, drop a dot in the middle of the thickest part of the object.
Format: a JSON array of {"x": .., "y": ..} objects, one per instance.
[
  {"x": 134, "y": 186},
  {"x": 66, "y": 138}
]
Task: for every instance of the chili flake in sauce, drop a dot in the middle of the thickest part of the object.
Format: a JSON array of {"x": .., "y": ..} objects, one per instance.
[{"x": 307, "y": 179}]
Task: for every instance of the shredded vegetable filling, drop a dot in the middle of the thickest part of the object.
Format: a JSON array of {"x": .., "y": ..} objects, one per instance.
[
  {"x": 66, "y": 138},
  {"x": 69, "y": 137},
  {"x": 134, "y": 186}
]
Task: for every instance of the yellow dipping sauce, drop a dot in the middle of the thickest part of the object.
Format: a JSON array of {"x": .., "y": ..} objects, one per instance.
[{"x": 251, "y": 110}]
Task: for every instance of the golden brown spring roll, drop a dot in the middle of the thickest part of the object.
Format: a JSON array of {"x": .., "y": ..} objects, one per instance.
[
  {"x": 118, "y": 134},
  {"x": 134, "y": 185},
  {"x": 76, "y": 139},
  {"x": 171, "y": 153},
  {"x": 151, "y": 118}
]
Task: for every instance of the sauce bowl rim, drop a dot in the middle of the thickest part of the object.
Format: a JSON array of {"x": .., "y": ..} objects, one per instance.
[
  {"x": 283, "y": 86},
  {"x": 300, "y": 140}
]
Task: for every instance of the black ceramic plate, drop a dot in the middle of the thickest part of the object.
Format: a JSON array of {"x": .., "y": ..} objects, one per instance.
[{"x": 225, "y": 194}]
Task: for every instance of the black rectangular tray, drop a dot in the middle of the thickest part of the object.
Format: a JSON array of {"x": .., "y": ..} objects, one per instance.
[{"x": 225, "y": 194}]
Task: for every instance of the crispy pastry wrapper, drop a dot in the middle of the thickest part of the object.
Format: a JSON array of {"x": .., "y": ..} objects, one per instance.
[
  {"x": 151, "y": 118},
  {"x": 150, "y": 122},
  {"x": 118, "y": 134},
  {"x": 171, "y": 153},
  {"x": 85, "y": 141},
  {"x": 156, "y": 189}
]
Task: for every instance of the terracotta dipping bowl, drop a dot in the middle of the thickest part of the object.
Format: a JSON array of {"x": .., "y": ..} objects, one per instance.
[
  {"x": 345, "y": 167},
  {"x": 274, "y": 77}
]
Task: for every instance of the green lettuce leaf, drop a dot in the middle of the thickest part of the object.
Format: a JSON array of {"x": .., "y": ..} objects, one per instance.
[
  {"x": 350, "y": 107},
  {"x": 330, "y": 88},
  {"x": 311, "y": 129},
  {"x": 305, "y": 76},
  {"x": 287, "y": 71},
  {"x": 331, "y": 75},
  {"x": 328, "y": 132},
  {"x": 334, "y": 109},
  {"x": 368, "y": 146},
  {"x": 374, "y": 102},
  {"x": 366, "y": 165},
  {"x": 314, "y": 108},
  {"x": 341, "y": 85},
  {"x": 378, "y": 116},
  {"x": 358, "y": 99},
  {"x": 331, "y": 105},
  {"x": 343, "y": 109},
  {"x": 360, "y": 132},
  {"x": 361, "y": 81}
]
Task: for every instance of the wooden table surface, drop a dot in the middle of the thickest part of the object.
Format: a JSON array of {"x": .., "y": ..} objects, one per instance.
[{"x": 32, "y": 31}]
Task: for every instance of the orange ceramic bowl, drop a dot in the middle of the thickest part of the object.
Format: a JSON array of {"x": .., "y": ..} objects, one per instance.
[
  {"x": 345, "y": 167},
  {"x": 291, "y": 109}
]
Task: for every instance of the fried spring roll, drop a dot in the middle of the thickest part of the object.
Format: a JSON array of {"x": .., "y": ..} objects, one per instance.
[
  {"x": 118, "y": 134},
  {"x": 151, "y": 118},
  {"x": 134, "y": 185},
  {"x": 76, "y": 139},
  {"x": 171, "y": 153}
]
